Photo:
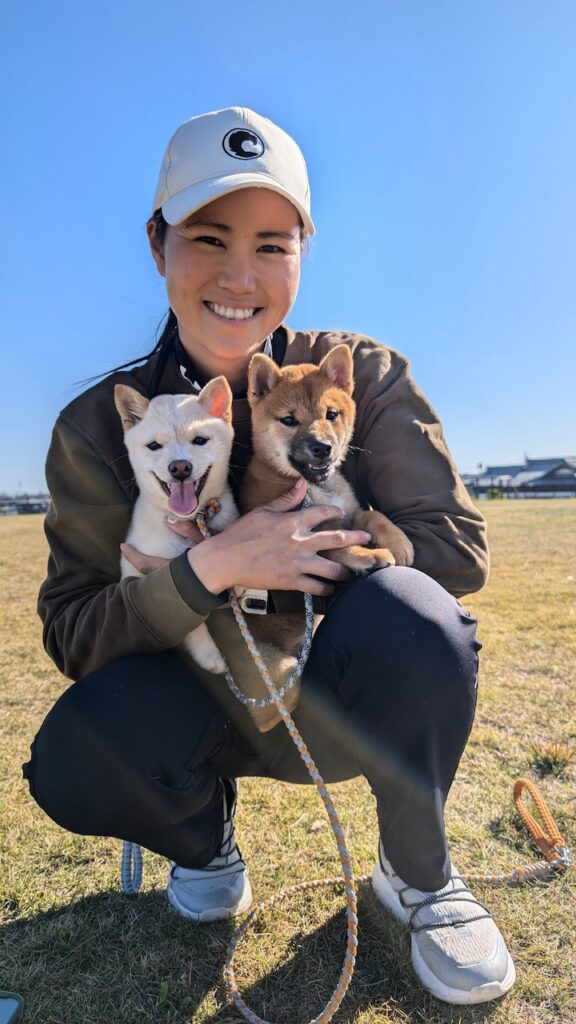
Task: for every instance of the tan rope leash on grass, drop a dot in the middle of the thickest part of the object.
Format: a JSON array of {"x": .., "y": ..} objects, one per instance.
[{"x": 549, "y": 840}]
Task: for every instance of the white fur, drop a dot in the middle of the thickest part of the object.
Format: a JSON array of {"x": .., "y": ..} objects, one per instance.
[
  {"x": 336, "y": 491},
  {"x": 174, "y": 421}
]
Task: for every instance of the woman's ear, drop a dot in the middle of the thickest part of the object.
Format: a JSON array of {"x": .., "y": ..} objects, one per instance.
[{"x": 156, "y": 249}]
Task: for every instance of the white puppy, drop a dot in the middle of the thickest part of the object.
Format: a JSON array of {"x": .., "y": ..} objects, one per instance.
[{"x": 179, "y": 448}]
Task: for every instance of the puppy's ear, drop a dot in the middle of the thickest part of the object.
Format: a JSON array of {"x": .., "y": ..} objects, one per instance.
[
  {"x": 339, "y": 368},
  {"x": 216, "y": 397},
  {"x": 263, "y": 376},
  {"x": 130, "y": 404}
]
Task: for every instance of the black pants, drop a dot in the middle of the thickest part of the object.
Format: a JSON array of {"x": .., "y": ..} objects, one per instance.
[{"x": 138, "y": 748}]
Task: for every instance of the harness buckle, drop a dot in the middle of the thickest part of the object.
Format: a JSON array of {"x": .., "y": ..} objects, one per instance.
[{"x": 253, "y": 601}]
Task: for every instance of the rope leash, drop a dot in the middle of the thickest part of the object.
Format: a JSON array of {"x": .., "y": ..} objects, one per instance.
[
  {"x": 272, "y": 698},
  {"x": 548, "y": 837},
  {"x": 131, "y": 868},
  {"x": 348, "y": 877}
]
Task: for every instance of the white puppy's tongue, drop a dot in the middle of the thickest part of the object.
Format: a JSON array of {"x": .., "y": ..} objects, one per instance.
[{"x": 183, "y": 500}]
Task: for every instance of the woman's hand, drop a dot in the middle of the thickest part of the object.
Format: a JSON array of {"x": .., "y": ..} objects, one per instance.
[{"x": 274, "y": 547}]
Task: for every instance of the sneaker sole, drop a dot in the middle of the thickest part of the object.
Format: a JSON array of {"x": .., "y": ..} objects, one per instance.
[
  {"x": 214, "y": 913},
  {"x": 432, "y": 984},
  {"x": 457, "y": 996}
]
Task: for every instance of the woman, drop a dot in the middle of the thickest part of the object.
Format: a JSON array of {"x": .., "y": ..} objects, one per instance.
[{"x": 146, "y": 747}]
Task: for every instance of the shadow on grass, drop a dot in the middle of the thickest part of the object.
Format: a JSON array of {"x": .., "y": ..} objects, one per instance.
[
  {"x": 383, "y": 981},
  {"x": 108, "y": 959}
]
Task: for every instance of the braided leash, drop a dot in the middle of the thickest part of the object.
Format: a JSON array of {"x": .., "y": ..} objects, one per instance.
[
  {"x": 131, "y": 868},
  {"x": 548, "y": 838},
  {"x": 263, "y": 702},
  {"x": 348, "y": 877}
]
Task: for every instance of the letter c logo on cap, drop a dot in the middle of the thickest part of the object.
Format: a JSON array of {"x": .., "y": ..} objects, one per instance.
[{"x": 243, "y": 144}]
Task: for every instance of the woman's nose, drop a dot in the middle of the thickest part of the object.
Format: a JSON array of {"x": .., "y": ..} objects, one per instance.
[{"x": 237, "y": 274}]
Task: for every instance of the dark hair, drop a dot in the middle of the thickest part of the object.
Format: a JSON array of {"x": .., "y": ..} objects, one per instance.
[{"x": 160, "y": 226}]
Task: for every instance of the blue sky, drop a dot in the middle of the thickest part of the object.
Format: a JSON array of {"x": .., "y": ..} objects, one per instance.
[{"x": 441, "y": 144}]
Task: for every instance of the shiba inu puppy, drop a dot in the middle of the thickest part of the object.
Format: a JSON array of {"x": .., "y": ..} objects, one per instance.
[
  {"x": 302, "y": 423},
  {"x": 179, "y": 448}
]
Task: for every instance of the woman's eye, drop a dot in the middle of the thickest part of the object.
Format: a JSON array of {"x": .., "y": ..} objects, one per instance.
[
  {"x": 209, "y": 239},
  {"x": 199, "y": 440},
  {"x": 153, "y": 446},
  {"x": 289, "y": 421},
  {"x": 271, "y": 248},
  {"x": 190, "y": 235},
  {"x": 332, "y": 414}
]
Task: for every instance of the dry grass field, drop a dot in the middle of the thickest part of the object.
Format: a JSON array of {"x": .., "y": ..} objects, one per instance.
[{"x": 82, "y": 953}]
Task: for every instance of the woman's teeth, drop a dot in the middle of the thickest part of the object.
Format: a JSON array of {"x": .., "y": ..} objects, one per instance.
[{"x": 230, "y": 313}]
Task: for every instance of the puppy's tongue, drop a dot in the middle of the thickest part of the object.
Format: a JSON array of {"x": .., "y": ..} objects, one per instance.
[{"x": 183, "y": 500}]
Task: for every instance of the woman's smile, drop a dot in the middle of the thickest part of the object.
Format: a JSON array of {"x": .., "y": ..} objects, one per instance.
[{"x": 237, "y": 313}]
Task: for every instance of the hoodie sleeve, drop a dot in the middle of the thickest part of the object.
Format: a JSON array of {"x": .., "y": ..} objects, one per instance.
[
  {"x": 405, "y": 470},
  {"x": 90, "y": 616}
]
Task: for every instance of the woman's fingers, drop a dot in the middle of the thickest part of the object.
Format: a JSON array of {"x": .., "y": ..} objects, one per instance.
[
  {"x": 277, "y": 546},
  {"x": 290, "y": 499},
  {"x": 184, "y": 528},
  {"x": 326, "y": 539},
  {"x": 317, "y": 588},
  {"x": 327, "y": 569}
]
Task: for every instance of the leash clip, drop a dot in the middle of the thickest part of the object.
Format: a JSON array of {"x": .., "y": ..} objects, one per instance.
[
  {"x": 563, "y": 855},
  {"x": 252, "y": 601}
]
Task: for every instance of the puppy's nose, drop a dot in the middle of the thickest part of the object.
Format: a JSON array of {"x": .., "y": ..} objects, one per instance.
[
  {"x": 319, "y": 449},
  {"x": 180, "y": 469}
]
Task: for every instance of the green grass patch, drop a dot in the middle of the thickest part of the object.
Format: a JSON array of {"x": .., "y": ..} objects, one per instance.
[{"x": 82, "y": 953}]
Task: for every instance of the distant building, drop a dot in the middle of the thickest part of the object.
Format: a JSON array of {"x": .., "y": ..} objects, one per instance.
[
  {"x": 537, "y": 478},
  {"x": 23, "y": 504}
]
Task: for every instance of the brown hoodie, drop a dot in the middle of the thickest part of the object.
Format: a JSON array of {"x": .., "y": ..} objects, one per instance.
[{"x": 399, "y": 464}]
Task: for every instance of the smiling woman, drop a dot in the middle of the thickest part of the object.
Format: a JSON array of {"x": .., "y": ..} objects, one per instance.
[{"x": 145, "y": 745}]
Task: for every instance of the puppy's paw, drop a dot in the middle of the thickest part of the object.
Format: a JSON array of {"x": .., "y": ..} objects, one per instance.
[
  {"x": 204, "y": 651},
  {"x": 212, "y": 662},
  {"x": 386, "y": 535},
  {"x": 382, "y": 558},
  {"x": 361, "y": 560},
  {"x": 372, "y": 559}
]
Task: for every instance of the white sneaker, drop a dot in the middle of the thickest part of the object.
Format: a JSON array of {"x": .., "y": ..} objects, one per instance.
[
  {"x": 221, "y": 888},
  {"x": 458, "y": 952}
]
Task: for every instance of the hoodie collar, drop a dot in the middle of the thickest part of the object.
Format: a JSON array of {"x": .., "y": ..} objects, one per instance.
[{"x": 275, "y": 347}]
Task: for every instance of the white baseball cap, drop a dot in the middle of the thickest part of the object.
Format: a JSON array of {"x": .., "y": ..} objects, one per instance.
[{"x": 224, "y": 151}]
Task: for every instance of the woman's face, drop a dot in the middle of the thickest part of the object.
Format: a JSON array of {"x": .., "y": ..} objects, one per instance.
[{"x": 232, "y": 272}]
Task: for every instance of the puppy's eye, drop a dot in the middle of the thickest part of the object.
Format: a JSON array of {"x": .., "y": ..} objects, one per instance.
[
  {"x": 332, "y": 414},
  {"x": 289, "y": 421},
  {"x": 199, "y": 440},
  {"x": 153, "y": 446}
]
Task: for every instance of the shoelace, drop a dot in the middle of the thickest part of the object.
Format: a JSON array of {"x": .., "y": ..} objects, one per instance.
[
  {"x": 454, "y": 895},
  {"x": 229, "y": 855},
  {"x": 462, "y": 895}
]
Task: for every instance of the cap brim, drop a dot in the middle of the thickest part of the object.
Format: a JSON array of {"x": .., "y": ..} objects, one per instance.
[{"x": 184, "y": 203}]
